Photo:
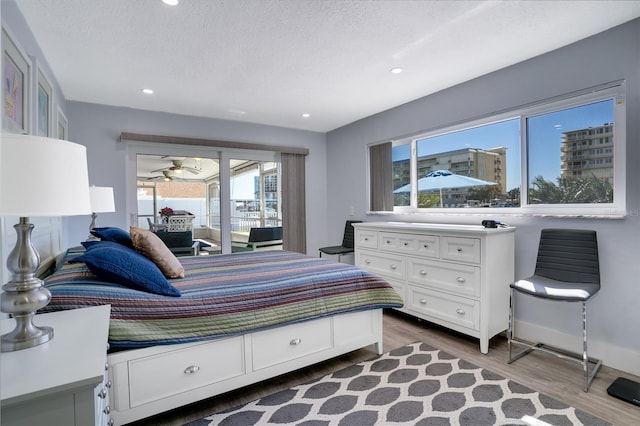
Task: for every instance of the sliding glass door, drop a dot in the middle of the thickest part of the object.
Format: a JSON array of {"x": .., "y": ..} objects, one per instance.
[
  {"x": 223, "y": 194},
  {"x": 255, "y": 198}
]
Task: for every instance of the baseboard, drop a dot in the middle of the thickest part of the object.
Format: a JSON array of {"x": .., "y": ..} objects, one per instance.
[{"x": 612, "y": 356}]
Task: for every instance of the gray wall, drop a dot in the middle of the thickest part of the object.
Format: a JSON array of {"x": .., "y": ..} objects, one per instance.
[
  {"x": 614, "y": 314},
  {"x": 98, "y": 127}
]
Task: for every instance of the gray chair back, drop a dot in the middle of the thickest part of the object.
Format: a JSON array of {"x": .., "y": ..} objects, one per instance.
[
  {"x": 569, "y": 255},
  {"x": 348, "y": 237}
]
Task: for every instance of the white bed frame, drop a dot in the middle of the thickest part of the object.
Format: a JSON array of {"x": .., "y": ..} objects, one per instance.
[{"x": 152, "y": 380}]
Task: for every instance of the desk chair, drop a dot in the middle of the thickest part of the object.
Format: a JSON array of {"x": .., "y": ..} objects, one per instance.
[
  {"x": 567, "y": 270},
  {"x": 347, "y": 242}
]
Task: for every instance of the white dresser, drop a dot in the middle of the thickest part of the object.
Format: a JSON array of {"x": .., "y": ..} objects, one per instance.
[
  {"x": 63, "y": 381},
  {"x": 457, "y": 276}
]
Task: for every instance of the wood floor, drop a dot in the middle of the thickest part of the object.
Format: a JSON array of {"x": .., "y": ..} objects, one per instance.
[{"x": 549, "y": 375}]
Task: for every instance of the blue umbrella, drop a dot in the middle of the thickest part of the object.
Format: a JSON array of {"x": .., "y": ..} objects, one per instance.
[{"x": 443, "y": 179}]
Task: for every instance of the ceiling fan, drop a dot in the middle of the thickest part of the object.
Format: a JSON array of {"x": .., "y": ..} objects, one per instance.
[
  {"x": 178, "y": 167},
  {"x": 167, "y": 176}
]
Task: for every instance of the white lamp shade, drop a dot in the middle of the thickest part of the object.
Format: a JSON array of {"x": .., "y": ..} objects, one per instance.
[
  {"x": 42, "y": 177},
  {"x": 101, "y": 199}
]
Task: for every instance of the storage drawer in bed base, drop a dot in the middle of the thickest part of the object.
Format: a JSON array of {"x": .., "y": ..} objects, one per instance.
[{"x": 152, "y": 380}]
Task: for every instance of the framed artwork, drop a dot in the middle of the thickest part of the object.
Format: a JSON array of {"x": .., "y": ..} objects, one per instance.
[
  {"x": 63, "y": 126},
  {"x": 16, "y": 85},
  {"x": 44, "y": 102}
]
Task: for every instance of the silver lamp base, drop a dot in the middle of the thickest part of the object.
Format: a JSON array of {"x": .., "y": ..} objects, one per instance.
[
  {"x": 25, "y": 335},
  {"x": 94, "y": 224},
  {"x": 24, "y": 295}
]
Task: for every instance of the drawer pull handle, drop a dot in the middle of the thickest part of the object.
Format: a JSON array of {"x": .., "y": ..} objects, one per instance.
[
  {"x": 394, "y": 267},
  {"x": 107, "y": 410},
  {"x": 366, "y": 239},
  {"x": 108, "y": 385},
  {"x": 388, "y": 242},
  {"x": 426, "y": 246},
  {"x": 111, "y": 422},
  {"x": 423, "y": 301},
  {"x": 295, "y": 342},
  {"x": 405, "y": 244},
  {"x": 460, "y": 311},
  {"x": 459, "y": 249},
  {"x": 103, "y": 393},
  {"x": 106, "y": 366},
  {"x": 367, "y": 261},
  {"x": 191, "y": 369},
  {"x": 460, "y": 280},
  {"x": 423, "y": 272}
]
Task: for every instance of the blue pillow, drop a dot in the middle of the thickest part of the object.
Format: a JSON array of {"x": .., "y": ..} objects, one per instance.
[
  {"x": 112, "y": 233},
  {"x": 122, "y": 265}
]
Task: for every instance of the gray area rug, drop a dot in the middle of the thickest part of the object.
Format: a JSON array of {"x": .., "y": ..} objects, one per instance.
[{"x": 413, "y": 385}]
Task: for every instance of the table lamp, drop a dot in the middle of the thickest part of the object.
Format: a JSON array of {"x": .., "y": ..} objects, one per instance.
[
  {"x": 38, "y": 177},
  {"x": 101, "y": 202}
]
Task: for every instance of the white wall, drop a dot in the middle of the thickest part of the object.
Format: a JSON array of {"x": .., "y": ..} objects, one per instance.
[{"x": 614, "y": 314}]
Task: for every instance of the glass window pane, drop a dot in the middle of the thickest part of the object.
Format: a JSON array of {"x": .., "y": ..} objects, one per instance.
[
  {"x": 570, "y": 154},
  {"x": 177, "y": 186},
  {"x": 255, "y": 198},
  {"x": 477, "y": 167}
]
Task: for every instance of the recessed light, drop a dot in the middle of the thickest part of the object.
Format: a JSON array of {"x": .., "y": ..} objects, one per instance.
[
  {"x": 306, "y": 115},
  {"x": 147, "y": 91},
  {"x": 237, "y": 112},
  {"x": 171, "y": 2},
  {"x": 396, "y": 70}
]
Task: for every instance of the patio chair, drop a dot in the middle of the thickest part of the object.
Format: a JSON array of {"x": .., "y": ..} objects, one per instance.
[
  {"x": 269, "y": 238},
  {"x": 180, "y": 242}
]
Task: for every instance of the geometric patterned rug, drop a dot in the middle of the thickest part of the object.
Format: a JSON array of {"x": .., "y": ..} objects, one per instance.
[{"x": 413, "y": 385}]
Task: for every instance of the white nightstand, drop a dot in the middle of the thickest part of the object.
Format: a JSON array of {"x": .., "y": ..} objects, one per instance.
[{"x": 63, "y": 381}]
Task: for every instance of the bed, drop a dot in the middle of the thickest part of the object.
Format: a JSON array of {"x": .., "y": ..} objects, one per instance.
[{"x": 240, "y": 318}]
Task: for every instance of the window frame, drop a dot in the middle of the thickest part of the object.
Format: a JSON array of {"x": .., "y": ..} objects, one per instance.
[{"x": 611, "y": 91}]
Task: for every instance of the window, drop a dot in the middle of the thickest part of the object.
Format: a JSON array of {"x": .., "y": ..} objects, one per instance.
[
  {"x": 476, "y": 159},
  {"x": 568, "y": 163},
  {"x": 556, "y": 157}
]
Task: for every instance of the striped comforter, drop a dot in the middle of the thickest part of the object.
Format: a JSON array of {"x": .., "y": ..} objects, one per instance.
[{"x": 223, "y": 295}]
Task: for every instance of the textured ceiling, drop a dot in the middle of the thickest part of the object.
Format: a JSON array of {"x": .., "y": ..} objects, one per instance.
[{"x": 269, "y": 61}]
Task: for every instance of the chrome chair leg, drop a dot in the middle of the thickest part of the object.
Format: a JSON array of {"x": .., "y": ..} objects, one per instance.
[
  {"x": 588, "y": 377},
  {"x": 511, "y": 339},
  {"x": 511, "y": 320}
]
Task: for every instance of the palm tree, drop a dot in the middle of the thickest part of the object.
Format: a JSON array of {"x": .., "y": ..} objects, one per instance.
[{"x": 570, "y": 191}]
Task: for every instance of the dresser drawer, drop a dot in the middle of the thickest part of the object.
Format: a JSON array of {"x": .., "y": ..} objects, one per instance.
[
  {"x": 446, "y": 276},
  {"x": 171, "y": 373},
  {"x": 401, "y": 243},
  {"x": 367, "y": 239},
  {"x": 460, "y": 249},
  {"x": 454, "y": 309},
  {"x": 425, "y": 245},
  {"x": 278, "y": 345},
  {"x": 386, "y": 264}
]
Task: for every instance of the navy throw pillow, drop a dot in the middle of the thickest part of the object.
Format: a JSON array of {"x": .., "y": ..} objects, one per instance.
[
  {"x": 115, "y": 234},
  {"x": 122, "y": 265}
]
